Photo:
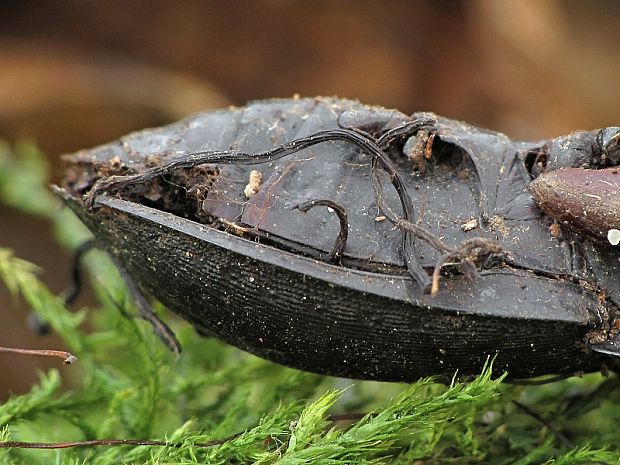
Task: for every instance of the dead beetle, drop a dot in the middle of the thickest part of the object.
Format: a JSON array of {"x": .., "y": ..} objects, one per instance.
[{"x": 310, "y": 232}]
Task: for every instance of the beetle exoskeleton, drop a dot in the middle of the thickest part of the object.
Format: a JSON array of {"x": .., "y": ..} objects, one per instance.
[{"x": 260, "y": 275}]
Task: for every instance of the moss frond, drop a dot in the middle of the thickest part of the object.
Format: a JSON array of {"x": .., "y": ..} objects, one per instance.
[{"x": 127, "y": 385}]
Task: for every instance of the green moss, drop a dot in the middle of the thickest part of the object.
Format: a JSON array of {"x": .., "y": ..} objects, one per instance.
[{"x": 127, "y": 385}]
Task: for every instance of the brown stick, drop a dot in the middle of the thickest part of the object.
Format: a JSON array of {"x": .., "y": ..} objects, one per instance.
[
  {"x": 67, "y": 357},
  {"x": 144, "y": 442},
  {"x": 105, "y": 442}
]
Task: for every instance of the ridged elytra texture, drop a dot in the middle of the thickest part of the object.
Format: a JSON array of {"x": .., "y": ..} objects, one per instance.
[
  {"x": 318, "y": 317},
  {"x": 538, "y": 310}
]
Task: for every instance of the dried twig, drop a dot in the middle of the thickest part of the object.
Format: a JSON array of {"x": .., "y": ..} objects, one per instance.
[
  {"x": 107, "y": 442},
  {"x": 146, "y": 442},
  {"x": 67, "y": 357}
]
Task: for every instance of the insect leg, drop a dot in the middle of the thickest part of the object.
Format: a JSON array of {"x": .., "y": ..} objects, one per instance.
[
  {"x": 146, "y": 312},
  {"x": 144, "y": 309},
  {"x": 40, "y": 326},
  {"x": 73, "y": 292}
]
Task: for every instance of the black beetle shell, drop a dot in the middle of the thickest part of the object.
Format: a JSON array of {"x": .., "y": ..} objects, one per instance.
[
  {"x": 318, "y": 317},
  {"x": 538, "y": 314}
]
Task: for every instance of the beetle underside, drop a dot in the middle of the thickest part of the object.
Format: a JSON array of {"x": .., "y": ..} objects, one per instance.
[{"x": 421, "y": 196}]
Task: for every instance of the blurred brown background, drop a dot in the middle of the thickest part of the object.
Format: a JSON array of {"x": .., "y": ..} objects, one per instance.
[{"x": 76, "y": 73}]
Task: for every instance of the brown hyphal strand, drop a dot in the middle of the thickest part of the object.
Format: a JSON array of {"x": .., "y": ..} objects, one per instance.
[{"x": 586, "y": 201}]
